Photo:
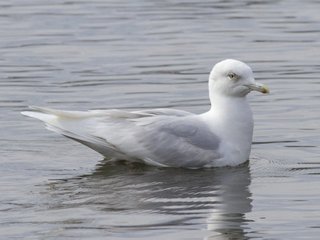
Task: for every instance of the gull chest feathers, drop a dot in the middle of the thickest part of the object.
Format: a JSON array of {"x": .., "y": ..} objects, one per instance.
[
  {"x": 231, "y": 119},
  {"x": 168, "y": 137}
]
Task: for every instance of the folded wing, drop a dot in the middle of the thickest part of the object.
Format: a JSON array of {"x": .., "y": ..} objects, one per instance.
[{"x": 161, "y": 137}]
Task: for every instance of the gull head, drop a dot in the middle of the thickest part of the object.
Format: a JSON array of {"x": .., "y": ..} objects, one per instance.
[{"x": 233, "y": 78}]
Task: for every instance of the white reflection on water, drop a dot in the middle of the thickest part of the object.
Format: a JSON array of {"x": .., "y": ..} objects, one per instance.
[{"x": 128, "y": 198}]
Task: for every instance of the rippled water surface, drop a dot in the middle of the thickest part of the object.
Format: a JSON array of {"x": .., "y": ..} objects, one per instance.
[{"x": 144, "y": 54}]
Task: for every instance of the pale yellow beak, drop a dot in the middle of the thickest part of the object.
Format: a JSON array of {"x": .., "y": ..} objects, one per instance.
[{"x": 258, "y": 87}]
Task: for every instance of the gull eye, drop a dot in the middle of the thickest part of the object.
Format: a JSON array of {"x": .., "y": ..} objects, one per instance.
[{"x": 233, "y": 76}]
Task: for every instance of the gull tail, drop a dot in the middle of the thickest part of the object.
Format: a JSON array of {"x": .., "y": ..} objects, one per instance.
[
  {"x": 67, "y": 123},
  {"x": 43, "y": 114},
  {"x": 74, "y": 125}
]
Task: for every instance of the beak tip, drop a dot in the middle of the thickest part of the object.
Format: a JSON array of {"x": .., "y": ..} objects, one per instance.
[
  {"x": 259, "y": 88},
  {"x": 265, "y": 90}
]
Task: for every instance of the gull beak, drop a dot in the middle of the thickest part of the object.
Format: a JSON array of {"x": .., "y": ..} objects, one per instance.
[{"x": 258, "y": 87}]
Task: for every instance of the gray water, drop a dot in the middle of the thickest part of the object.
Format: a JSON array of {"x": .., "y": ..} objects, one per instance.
[{"x": 126, "y": 54}]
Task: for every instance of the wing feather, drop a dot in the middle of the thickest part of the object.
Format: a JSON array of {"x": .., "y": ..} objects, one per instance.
[{"x": 161, "y": 137}]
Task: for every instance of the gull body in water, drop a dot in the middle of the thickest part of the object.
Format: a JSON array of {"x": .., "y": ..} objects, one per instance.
[{"x": 168, "y": 137}]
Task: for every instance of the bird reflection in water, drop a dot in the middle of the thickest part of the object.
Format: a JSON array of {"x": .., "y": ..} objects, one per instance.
[{"x": 213, "y": 202}]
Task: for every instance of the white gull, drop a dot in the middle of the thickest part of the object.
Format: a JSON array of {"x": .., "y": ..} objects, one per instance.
[{"x": 168, "y": 137}]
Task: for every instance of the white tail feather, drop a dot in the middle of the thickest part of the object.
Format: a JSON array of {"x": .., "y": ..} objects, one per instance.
[
  {"x": 47, "y": 118},
  {"x": 66, "y": 123}
]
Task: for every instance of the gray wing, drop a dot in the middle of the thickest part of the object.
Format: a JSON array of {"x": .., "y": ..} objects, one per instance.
[
  {"x": 178, "y": 142},
  {"x": 163, "y": 112},
  {"x": 163, "y": 137}
]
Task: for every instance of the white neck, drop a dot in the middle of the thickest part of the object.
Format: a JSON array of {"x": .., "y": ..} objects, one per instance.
[
  {"x": 231, "y": 118},
  {"x": 231, "y": 109}
]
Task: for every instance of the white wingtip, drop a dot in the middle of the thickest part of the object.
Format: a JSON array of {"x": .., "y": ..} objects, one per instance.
[{"x": 37, "y": 113}]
